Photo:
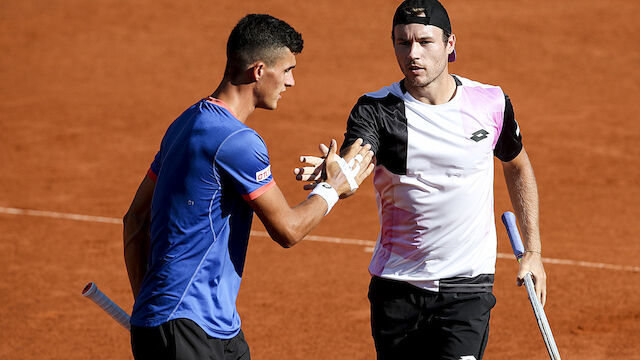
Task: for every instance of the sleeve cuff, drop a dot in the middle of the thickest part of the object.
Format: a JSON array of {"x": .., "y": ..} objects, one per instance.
[
  {"x": 152, "y": 175},
  {"x": 259, "y": 191}
]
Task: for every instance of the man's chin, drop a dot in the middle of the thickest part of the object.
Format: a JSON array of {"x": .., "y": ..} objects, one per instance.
[
  {"x": 415, "y": 82},
  {"x": 268, "y": 106}
]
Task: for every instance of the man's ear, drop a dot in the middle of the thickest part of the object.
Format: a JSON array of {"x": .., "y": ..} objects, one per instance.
[
  {"x": 258, "y": 70},
  {"x": 451, "y": 43}
]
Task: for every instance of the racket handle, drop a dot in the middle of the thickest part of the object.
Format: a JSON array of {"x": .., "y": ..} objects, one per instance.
[
  {"x": 92, "y": 292},
  {"x": 509, "y": 221}
]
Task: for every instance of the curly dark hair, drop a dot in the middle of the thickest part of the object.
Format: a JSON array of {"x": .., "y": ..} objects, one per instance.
[{"x": 260, "y": 37}]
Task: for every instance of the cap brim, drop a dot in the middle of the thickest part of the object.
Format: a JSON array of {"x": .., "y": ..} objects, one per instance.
[{"x": 452, "y": 56}]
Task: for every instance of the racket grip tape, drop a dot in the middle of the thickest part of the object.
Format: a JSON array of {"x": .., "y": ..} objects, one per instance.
[
  {"x": 509, "y": 220},
  {"x": 92, "y": 292}
]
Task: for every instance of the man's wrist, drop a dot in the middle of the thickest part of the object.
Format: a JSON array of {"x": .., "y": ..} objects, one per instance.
[{"x": 327, "y": 193}]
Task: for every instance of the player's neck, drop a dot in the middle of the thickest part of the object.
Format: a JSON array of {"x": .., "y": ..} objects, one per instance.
[
  {"x": 440, "y": 91},
  {"x": 238, "y": 98}
]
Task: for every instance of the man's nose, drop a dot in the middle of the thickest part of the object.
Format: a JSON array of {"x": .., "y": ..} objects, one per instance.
[
  {"x": 414, "y": 50},
  {"x": 288, "y": 80}
]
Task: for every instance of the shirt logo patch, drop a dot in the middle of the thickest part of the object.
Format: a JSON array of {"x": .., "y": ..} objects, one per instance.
[
  {"x": 263, "y": 174},
  {"x": 479, "y": 135}
]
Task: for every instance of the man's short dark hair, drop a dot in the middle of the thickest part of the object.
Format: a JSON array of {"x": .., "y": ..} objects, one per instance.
[{"x": 260, "y": 37}]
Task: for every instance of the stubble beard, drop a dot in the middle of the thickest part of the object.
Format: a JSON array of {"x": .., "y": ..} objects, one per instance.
[
  {"x": 425, "y": 80},
  {"x": 418, "y": 82}
]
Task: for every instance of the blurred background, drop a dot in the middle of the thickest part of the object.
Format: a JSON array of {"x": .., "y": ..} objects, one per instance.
[{"x": 87, "y": 89}]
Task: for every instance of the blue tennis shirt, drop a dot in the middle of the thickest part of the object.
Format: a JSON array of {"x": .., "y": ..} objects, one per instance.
[{"x": 208, "y": 165}]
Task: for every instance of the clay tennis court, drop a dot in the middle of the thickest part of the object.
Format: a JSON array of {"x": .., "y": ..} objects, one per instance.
[{"x": 88, "y": 88}]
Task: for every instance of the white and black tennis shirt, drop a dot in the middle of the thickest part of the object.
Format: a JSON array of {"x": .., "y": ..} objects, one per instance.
[{"x": 434, "y": 182}]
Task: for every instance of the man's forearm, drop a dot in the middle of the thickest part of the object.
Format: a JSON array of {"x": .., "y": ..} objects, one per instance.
[
  {"x": 136, "y": 249},
  {"x": 136, "y": 234},
  {"x": 523, "y": 192},
  {"x": 287, "y": 226}
]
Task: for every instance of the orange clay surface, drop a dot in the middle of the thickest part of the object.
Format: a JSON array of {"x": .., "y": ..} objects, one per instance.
[{"x": 87, "y": 89}]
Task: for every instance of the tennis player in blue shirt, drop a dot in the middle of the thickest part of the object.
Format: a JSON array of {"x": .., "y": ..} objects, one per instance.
[{"x": 187, "y": 230}]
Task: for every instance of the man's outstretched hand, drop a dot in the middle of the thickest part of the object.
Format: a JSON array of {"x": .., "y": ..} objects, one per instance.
[
  {"x": 314, "y": 171},
  {"x": 326, "y": 168}
]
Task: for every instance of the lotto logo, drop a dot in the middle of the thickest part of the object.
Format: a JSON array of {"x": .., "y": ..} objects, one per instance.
[
  {"x": 263, "y": 174},
  {"x": 477, "y": 136}
]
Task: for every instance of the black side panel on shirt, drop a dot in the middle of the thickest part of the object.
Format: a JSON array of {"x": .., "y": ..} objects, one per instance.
[
  {"x": 509, "y": 143},
  {"x": 480, "y": 283},
  {"x": 382, "y": 123}
]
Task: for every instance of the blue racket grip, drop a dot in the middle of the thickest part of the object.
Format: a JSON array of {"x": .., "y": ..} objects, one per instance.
[{"x": 509, "y": 220}]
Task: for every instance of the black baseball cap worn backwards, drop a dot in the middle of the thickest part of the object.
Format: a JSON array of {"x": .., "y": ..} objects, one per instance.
[{"x": 434, "y": 14}]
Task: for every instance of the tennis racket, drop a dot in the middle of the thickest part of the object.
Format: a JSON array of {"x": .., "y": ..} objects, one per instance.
[{"x": 509, "y": 220}]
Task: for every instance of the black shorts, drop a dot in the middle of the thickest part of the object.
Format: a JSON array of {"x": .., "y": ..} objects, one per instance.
[
  {"x": 411, "y": 323},
  {"x": 183, "y": 339}
]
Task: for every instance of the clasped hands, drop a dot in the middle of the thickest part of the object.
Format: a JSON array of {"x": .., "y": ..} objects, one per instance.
[{"x": 326, "y": 167}]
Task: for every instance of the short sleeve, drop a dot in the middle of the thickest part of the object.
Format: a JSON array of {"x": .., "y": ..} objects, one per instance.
[
  {"x": 154, "y": 169},
  {"x": 509, "y": 142},
  {"x": 362, "y": 124},
  {"x": 243, "y": 156}
]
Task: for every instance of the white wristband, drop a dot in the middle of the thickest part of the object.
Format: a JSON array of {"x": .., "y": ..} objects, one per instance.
[{"x": 327, "y": 192}]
